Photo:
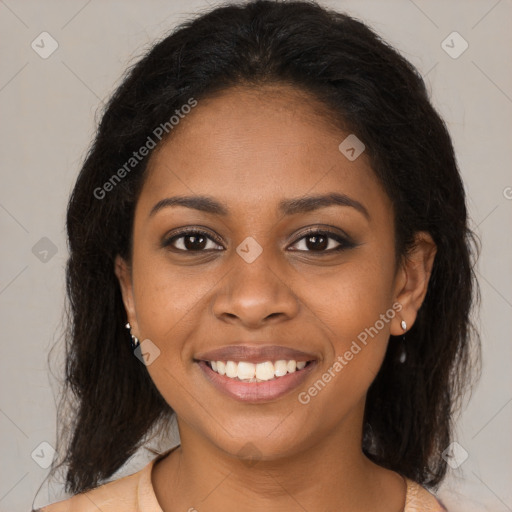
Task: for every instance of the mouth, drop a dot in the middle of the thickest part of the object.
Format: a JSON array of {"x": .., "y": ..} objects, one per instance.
[
  {"x": 245, "y": 371},
  {"x": 245, "y": 374}
]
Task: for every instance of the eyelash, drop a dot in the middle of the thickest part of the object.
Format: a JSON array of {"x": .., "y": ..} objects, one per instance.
[{"x": 345, "y": 243}]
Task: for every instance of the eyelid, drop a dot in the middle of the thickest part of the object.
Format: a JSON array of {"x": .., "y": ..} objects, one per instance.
[
  {"x": 173, "y": 236},
  {"x": 343, "y": 239}
]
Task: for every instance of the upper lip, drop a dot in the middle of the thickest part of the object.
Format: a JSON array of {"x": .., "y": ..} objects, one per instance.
[{"x": 254, "y": 354}]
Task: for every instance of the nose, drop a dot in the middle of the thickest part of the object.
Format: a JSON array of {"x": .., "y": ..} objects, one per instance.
[{"x": 255, "y": 294}]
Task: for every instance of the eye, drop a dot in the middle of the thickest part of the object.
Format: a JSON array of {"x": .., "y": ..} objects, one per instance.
[
  {"x": 191, "y": 240},
  {"x": 316, "y": 240}
]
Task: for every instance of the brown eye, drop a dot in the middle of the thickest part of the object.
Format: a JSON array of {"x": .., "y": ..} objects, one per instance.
[
  {"x": 323, "y": 241},
  {"x": 191, "y": 241}
]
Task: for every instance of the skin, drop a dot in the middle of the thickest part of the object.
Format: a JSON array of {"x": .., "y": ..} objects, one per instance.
[{"x": 250, "y": 149}]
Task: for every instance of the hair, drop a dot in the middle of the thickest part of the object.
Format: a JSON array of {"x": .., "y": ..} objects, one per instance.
[{"x": 370, "y": 90}]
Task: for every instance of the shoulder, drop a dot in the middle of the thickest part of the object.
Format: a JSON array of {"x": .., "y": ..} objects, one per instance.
[
  {"x": 115, "y": 496},
  {"x": 133, "y": 492},
  {"x": 418, "y": 499}
]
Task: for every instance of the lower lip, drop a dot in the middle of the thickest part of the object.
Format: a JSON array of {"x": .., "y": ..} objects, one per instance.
[{"x": 257, "y": 391}]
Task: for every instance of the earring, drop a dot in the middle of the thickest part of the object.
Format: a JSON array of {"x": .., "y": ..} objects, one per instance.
[
  {"x": 403, "y": 353},
  {"x": 134, "y": 341}
]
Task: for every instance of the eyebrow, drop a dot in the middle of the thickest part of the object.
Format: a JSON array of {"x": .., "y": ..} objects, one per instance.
[{"x": 286, "y": 207}]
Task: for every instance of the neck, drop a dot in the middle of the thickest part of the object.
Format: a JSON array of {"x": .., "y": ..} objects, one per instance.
[{"x": 331, "y": 474}]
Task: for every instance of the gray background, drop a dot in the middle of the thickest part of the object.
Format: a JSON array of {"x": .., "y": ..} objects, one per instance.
[{"x": 49, "y": 111}]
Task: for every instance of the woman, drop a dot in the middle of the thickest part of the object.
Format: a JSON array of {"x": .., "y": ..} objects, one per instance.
[{"x": 273, "y": 209}]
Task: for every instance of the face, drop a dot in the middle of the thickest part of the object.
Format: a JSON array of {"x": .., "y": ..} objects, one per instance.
[{"x": 265, "y": 272}]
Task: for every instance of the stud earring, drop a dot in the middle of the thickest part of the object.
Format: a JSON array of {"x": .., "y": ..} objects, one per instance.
[
  {"x": 134, "y": 341},
  {"x": 403, "y": 353}
]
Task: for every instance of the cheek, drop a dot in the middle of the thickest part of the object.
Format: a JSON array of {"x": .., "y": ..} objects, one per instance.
[
  {"x": 167, "y": 305},
  {"x": 352, "y": 299},
  {"x": 354, "y": 306},
  {"x": 168, "y": 300},
  {"x": 358, "y": 342}
]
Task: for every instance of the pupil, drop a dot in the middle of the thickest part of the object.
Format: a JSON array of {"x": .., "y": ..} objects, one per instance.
[
  {"x": 321, "y": 245},
  {"x": 194, "y": 245}
]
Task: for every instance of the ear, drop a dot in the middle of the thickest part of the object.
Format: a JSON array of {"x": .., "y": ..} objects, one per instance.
[
  {"x": 123, "y": 272},
  {"x": 412, "y": 281}
]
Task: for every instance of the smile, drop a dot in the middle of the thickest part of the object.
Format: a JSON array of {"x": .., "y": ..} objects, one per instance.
[
  {"x": 261, "y": 372},
  {"x": 254, "y": 389}
]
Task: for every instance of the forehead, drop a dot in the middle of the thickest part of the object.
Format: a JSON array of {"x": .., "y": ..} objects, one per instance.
[{"x": 252, "y": 145}]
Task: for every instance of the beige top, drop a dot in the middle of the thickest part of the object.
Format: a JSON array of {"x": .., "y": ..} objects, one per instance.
[{"x": 134, "y": 493}]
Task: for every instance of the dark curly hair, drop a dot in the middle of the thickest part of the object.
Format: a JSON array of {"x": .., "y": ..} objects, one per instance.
[{"x": 369, "y": 89}]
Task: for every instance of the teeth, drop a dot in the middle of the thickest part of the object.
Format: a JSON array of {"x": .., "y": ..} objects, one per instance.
[
  {"x": 231, "y": 369},
  {"x": 260, "y": 372},
  {"x": 245, "y": 370},
  {"x": 280, "y": 368},
  {"x": 265, "y": 371},
  {"x": 221, "y": 368}
]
